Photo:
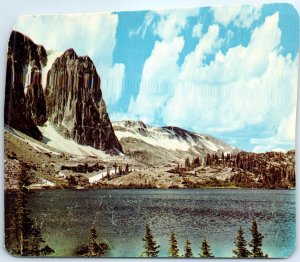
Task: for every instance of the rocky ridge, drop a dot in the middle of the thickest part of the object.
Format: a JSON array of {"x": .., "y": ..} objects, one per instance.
[
  {"x": 75, "y": 103},
  {"x": 72, "y": 100},
  {"x": 23, "y": 112},
  {"x": 166, "y": 145}
]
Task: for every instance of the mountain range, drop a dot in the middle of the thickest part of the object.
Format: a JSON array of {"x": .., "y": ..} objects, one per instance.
[
  {"x": 72, "y": 99},
  {"x": 166, "y": 145},
  {"x": 57, "y": 128},
  {"x": 72, "y": 104}
]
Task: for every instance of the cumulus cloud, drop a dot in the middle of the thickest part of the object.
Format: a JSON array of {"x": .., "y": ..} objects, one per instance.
[
  {"x": 197, "y": 30},
  {"x": 158, "y": 77},
  {"x": 242, "y": 16},
  {"x": 167, "y": 24},
  {"x": 267, "y": 148},
  {"x": 160, "y": 69},
  {"x": 112, "y": 83},
  {"x": 284, "y": 136},
  {"x": 245, "y": 86},
  {"x": 172, "y": 22},
  {"x": 88, "y": 34}
]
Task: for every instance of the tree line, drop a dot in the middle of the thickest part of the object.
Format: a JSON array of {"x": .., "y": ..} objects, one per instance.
[
  {"x": 273, "y": 169},
  {"x": 152, "y": 249}
]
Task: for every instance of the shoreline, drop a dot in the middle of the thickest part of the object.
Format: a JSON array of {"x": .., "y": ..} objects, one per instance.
[{"x": 160, "y": 189}]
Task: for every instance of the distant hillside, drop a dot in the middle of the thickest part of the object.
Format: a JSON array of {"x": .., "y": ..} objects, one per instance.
[
  {"x": 165, "y": 145},
  {"x": 245, "y": 169}
]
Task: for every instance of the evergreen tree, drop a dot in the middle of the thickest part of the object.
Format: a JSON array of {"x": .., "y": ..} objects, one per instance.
[
  {"x": 173, "y": 250},
  {"x": 37, "y": 239},
  {"x": 127, "y": 169},
  {"x": 208, "y": 159},
  {"x": 115, "y": 166},
  {"x": 187, "y": 163},
  {"x": 46, "y": 251},
  {"x": 196, "y": 162},
  {"x": 256, "y": 242},
  {"x": 23, "y": 238},
  {"x": 223, "y": 158},
  {"x": 151, "y": 249},
  {"x": 241, "y": 250},
  {"x": 188, "y": 253},
  {"x": 205, "y": 250},
  {"x": 94, "y": 248}
]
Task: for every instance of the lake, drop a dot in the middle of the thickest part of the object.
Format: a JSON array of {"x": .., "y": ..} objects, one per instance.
[{"x": 120, "y": 217}]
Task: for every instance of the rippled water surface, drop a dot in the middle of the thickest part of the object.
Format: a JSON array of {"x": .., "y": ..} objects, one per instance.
[{"x": 120, "y": 217}]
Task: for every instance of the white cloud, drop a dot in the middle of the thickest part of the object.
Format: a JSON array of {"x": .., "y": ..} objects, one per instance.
[
  {"x": 167, "y": 24},
  {"x": 88, "y": 34},
  {"x": 158, "y": 77},
  {"x": 197, "y": 30},
  {"x": 285, "y": 135},
  {"x": 112, "y": 84},
  {"x": 287, "y": 127},
  {"x": 247, "y": 16},
  {"x": 246, "y": 86},
  {"x": 239, "y": 88},
  {"x": 194, "y": 60},
  {"x": 268, "y": 148},
  {"x": 52, "y": 55},
  {"x": 170, "y": 25},
  {"x": 242, "y": 16},
  {"x": 142, "y": 29},
  {"x": 160, "y": 69},
  {"x": 172, "y": 22},
  {"x": 239, "y": 62}
]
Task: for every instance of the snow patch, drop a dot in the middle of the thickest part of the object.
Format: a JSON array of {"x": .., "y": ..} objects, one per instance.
[
  {"x": 168, "y": 138},
  {"x": 100, "y": 176},
  {"x": 34, "y": 145},
  {"x": 157, "y": 140},
  {"x": 42, "y": 183},
  {"x": 211, "y": 146},
  {"x": 56, "y": 140}
]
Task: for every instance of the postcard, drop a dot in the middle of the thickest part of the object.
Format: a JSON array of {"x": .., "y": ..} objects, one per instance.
[{"x": 167, "y": 133}]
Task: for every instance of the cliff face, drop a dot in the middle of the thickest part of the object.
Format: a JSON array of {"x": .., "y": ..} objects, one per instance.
[
  {"x": 75, "y": 103},
  {"x": 35, "y": 100},
  {"x": 23, "y": 113}
]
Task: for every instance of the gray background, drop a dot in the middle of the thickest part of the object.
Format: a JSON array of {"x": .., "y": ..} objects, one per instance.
[{"x": 10, "y": 10}]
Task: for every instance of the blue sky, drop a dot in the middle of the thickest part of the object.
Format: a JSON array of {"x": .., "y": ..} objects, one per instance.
[{"x": 227, "y": 71}]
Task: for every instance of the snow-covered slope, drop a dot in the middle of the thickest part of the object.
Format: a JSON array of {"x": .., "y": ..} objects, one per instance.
[
  {"x": 52, "y": 138},
  {"x": 171, "y": 143}
]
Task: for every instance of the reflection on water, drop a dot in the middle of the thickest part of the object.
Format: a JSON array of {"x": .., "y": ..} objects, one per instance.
[{"x": 120, "y": 217}]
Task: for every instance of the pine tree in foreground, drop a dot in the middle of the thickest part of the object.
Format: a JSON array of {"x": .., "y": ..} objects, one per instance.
[
  {"x": 241, "y": 250},
  {"x": 151, "y": 249},
  {"x": 205, "y": 250},
  {"x": 94, "y": 248},
  {"x": 188, "y": 249},
  {"x": 256, "y": 242},
  {"x": 173, "y": 250},
  {"x": 23, "y": 236}
]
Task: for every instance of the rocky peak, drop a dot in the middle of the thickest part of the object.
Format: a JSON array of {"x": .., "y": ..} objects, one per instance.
[
  {"x": 23, "y": 54},
  {"x": 75, "y": 103},
  {"x": 138, "y": 124},
  {"x": 35, "y": 100}
]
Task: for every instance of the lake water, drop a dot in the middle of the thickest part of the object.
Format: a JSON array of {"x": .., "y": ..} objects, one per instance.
[{"x": 120, "y": 217}]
